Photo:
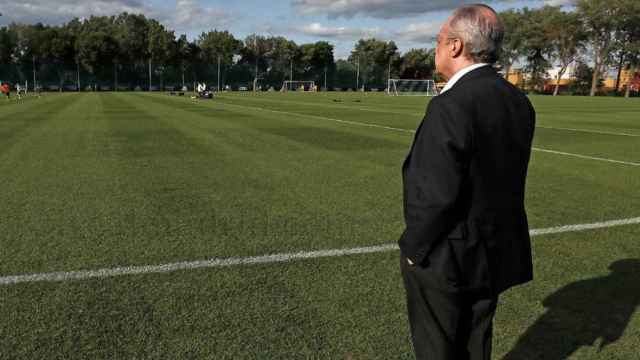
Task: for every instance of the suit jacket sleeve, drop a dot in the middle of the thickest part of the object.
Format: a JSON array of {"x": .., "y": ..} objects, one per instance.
[{"x": 433, "y": 175}]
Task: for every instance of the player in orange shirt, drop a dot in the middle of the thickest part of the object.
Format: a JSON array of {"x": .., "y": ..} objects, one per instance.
[{"x": 6, "y": 90}]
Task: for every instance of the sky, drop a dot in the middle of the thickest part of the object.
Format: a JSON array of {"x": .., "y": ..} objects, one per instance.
[{"x": 410, "y": 23}]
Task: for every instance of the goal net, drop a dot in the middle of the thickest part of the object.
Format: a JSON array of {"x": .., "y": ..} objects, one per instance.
[
  {"x": 407, "y": 87},
  {"x": 290, "y": 85}
]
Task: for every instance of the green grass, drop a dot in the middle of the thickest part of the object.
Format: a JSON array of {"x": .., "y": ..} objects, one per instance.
[{"x": 101, "y": 180}]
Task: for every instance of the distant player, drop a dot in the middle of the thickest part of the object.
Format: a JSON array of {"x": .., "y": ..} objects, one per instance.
[
  {"x": 201, "y": 89},
  {"x": 6, "y": 90},
  {"x": 19, "y": 91}
]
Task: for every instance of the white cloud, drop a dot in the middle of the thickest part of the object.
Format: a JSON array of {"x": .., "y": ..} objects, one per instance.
[
  {"x": 56, "y": 12},
  {"x": 422, "y": 33},
  {"x": 389, "y": 9},
  {"x": 181, "y": 15},
  {"x": 317, "y": 29},
  {"x": 559, "y": 2},
  {"x": 190, "y": 15},
  {"x": 384, "y": 9}
]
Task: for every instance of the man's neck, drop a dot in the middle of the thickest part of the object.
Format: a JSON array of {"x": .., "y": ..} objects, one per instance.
[
  {"x": 459, "y": 74},
  {"x": 461, "y": 66}
]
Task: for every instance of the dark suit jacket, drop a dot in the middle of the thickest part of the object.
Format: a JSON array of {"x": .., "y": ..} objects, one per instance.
[{"x": 464, "y": 185}]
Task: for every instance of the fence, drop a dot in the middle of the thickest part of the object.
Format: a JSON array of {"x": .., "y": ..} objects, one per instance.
[{"x": 145, "y": 76}]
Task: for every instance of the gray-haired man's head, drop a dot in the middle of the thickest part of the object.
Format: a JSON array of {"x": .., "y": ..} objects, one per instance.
[{"x": 473, "y": 34}]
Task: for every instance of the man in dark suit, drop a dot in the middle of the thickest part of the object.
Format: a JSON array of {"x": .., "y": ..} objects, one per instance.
[{"x": 467, "y": 237}]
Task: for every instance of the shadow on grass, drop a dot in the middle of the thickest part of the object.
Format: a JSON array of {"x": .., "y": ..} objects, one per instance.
[{"x": 581, "y": 313}]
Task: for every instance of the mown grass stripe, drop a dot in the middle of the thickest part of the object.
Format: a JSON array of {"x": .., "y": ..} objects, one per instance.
[
  {"x": 264, "y": 259},
  {"x": 357, "y": 123},
  {"x": 420, "y": 114}
]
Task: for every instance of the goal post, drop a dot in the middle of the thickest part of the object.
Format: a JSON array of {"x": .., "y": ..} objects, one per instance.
[
  {"x": 410, "y": 87},
  {"x": 295, "y": 85}
]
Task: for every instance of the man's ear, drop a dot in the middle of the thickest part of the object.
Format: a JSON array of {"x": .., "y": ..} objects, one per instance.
[{"x": 456, "y": 47}]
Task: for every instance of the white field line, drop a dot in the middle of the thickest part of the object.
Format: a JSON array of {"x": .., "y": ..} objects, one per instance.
[
  {"x": 357, "y": 123},
  {"x": 349, "y": 107},
  {"x": 413, "y": 131},
  {"x": 589, "y": 131},
  {"x": 264, "y": 259},
  {"x": 586, "y": 157},
  {"x": 346, "y": 107}
]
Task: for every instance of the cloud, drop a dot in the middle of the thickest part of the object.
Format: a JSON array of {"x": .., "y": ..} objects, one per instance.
[
  {"x": 419, "y": 33},
  {"x": 57, "y": 12},
  {"x": 559, "y": 2},
  {"x": 181, "y": 15},
  {"x": 190, "y": 15},
  {"x": 317, "y": 29},
  {"x": 383, "y": 9},
  {"x": 389, "y": 9}
]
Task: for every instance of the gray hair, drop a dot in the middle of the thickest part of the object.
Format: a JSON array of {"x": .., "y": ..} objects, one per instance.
[{"x": 480, "y": 31}]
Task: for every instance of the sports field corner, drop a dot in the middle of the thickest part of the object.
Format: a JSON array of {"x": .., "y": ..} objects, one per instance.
[{"x": 264, "y": 226}]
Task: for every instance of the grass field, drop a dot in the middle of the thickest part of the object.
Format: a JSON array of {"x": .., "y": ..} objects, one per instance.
[{"x": 104, "y": 180}]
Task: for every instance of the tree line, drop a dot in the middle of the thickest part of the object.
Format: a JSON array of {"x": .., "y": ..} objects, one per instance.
[
  {"x": 132, "y": 49},
  {"x": 128, "y": 49},
  {"x": 598, "y": 35}
]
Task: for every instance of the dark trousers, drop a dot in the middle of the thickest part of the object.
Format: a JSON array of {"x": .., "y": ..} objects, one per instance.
[{"x": 446, "y": 324}]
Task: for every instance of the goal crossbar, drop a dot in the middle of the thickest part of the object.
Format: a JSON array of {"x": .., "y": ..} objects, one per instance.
[
  {"x": 411, "y": 87},
  {"x": 298, "y": 85}
]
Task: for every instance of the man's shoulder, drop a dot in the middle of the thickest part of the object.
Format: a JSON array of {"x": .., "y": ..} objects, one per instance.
[{"x": 484, "y": 86}]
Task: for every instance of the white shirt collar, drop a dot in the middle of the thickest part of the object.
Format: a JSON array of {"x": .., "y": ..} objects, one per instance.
[{"x": 454, "y": 79}]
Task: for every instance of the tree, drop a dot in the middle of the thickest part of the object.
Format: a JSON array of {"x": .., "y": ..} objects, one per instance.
[
  {"x": 59, "y": 50},
  {"x": 214, "y": 44},
  {"x": 512, "y": 44},
  {"x": 564, "y": 31},
  {"x": 582, "y": 79},
  {"x": 599, "y": 19},
  {"x": 373, "y": 58},
  {"x": 218, "y": 45},
  {"x": 629, "y": 33},
  {"x": 96, "y": 50},
  {"x": 284, "y": 60},
  {"x": 417, "y": 64},
  {"x": 159, "y": 47},
  {"x": 345, "y": 75},
  {"x": 185, "y": 55},
  {"x": 315, "y": 59},
  {"x": 536, "y": 45},
  {"x": 132, "y": 35},
  {"x": 28, "y": 51},
  {"x": 8, "y": 42},
  {"x": 253, "y": 56}
]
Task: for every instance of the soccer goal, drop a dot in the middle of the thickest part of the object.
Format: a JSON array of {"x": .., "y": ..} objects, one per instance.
[
  {"x": 407, "y": 87},
  {"x": 290, "y": 85}
]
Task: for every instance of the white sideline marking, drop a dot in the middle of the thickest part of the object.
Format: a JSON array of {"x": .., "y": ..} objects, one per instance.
[
  {"x": 603, "y": 132},
  {"x": 264, "y": 259},
  {"x": 413, "y": 131},
  {"x": 347, "y": 107},
  {"x": 589, "y": 131},
  {"x": 583, "y": 227},
  {"x": 324, "y": 118},
  {"x": 586, "y": 157}
]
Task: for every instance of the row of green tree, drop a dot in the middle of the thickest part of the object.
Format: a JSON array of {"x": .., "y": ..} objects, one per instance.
[
  {"x": 598, "y": 35},
  {"x": 133, "y": 49}
]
